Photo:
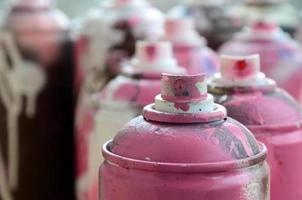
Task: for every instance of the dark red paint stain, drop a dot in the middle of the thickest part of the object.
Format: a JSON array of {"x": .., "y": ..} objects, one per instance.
[
  {"x": 151, "y": 52},
  {"x": 241, "y": 65},
  {"x": 182, "y": 106},
  {"x": 264, "y": 26}
]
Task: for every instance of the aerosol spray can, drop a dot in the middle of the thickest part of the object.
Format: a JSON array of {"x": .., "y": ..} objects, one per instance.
[
  {"x": 270, "y": 113},
  {"x": 121, "y": 100},
  {"x": 107, "y": 37},
  {"x": 279, "y": 11},
  {"x": 36, "y": 103},
  {"x": 190, "y": 49},
  {"x": 214, "y": 19},
  {"x": 281, "y": 57},
  {"x": 184, "y": 147}
]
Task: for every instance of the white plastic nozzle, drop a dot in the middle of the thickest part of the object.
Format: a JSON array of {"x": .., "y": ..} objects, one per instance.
[
  {"x": 240, "y": 68},
  {"x": 154, "y": 57},
  {"x": 182, "y": 31},
  {"x": 184, "y": 94}
]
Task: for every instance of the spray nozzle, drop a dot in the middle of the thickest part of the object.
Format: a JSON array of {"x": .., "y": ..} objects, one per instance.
[
  {"x": 184, "y": 94},
  {"x": 239, "y": 68},
  {"x": 155, "y": 57},
  {"x": 183, "y": 88}
]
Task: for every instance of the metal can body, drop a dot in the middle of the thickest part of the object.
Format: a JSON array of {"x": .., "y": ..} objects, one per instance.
[
  {"x": 36, "y": 104},
  {"x": 275, "y": 119},
  {"x": 120, "y": 182},
  {"x": 125, "y": 178}
]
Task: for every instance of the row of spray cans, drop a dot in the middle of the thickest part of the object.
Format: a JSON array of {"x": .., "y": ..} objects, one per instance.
[{"x": 183, "y": 146}]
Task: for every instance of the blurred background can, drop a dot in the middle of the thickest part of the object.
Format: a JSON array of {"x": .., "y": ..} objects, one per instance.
[
  {"x": 270, "y": 113},
  {"x": 37, "y": 101}
]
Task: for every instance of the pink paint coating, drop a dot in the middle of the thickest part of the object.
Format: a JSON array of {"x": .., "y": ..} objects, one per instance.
[
  {"x": 151, "y": 52},
  {"x": 185, "y": 160},
  {"x": 275, "y": 119}
]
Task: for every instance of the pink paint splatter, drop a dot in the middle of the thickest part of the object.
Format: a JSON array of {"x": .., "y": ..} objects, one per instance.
[
  {"x": 243, "y": 69},
  {"x": 180, "y": 87},
  {"x": 182, "y": 106},
  {"x": 264, "y": 26},
  {"x": 151, "y": 52}
]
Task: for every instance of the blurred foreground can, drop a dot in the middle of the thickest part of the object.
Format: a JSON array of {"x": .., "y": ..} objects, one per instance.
[
  {"x": 270, "y": 113},
  {"x": 281, "y": 56},
  {"x": 108, "y": 35},
  {"x": 36, "y": 103},
  {"x": 123, "y": 98},
  {"x": 184, "y": 147}
]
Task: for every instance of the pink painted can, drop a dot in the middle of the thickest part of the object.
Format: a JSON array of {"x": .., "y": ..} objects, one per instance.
[
  {"x": 281, "y": 57},
  {"x": 107, "y": 37},
  {"x": 184, "y": 147},
  {"x": 102, "y": 114},
  {"x": 280, "y": 11},
  {"x": 270, "y": 113},
  {"x": 214, "y": 19},
  {"x": 190, "y": 49},
  {"x": 36, "y": 103}
]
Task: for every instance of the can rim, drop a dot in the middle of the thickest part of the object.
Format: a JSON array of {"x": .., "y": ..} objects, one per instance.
[
  {"x": 151, "y": 114},
  {"x": 129, "y": 163}
]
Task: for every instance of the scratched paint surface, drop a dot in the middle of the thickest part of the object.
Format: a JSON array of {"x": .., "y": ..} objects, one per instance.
[{"x": 275, "y": 119}]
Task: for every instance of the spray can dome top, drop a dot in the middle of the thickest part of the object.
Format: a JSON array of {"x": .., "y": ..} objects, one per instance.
[
  {"x": 181, "y": 30},
  {"x": 32, "y": 3},
  {"x": 154, "y": 57}
]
